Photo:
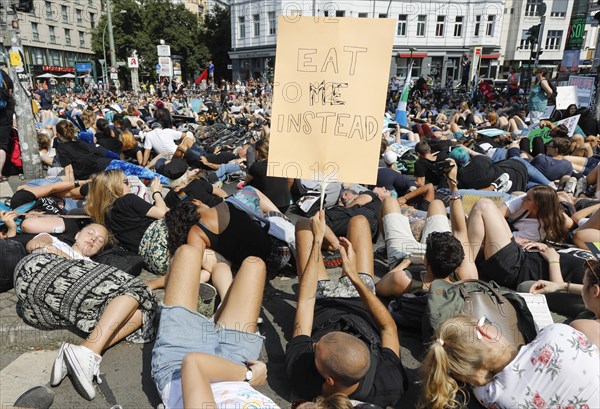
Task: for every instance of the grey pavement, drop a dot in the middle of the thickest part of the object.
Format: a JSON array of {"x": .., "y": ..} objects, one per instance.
[{"x": 27, "y": 354}]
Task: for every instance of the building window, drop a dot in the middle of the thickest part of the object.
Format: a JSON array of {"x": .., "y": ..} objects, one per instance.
[
  {"x": 477, "y": 26},
  {"x": 531, "y": 8},
  {"x": 489, "y": 29},
  {"x": 92, "y": 20},
  {"x": 554, "y": 39},
  {"x": 64, "y": 11},
  {"x": 55, "y": 57},
  {"x": 363, "y": 15},
  {"x": 81, "y": 39},
  {"x": 48, "y": 6},
  {"x": 421, "y": 22},
  {"x": 91, "y": 3},
  {"x": 458, "y": 26},
  {"x": 35, "y": 32},
  {"x": 340, "y": 13},
  {"x": 67, "y": 36},
  {"x": 242, "y": 21},
  {"x": 402, "y": 21},
  {"x": 272, "y": 23},
  {"x": 38, "y": 56},
  {"x": 559, "y": 8},
  {"x": 439, "y": 26},
  {"x": 256, "y": 24},
  {"x": 382, "y": 15},
  {"x": 52, "y": 33},
  {"x": 78, "y": 15},
  {"x": 524, "y": 44}
]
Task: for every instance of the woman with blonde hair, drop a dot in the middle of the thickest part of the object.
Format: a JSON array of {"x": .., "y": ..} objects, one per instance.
[
  {"x": 558, "y": 368},
  {"x": 136, "y": 224}
]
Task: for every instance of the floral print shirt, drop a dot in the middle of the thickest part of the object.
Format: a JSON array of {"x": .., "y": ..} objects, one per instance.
[{"x": 560, "y": 369}]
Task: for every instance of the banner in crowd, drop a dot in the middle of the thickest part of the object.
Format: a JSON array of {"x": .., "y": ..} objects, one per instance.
[
  {"x": 585, "y": 89},
  {"x": 566, "y": 96},
  {"x": 328, "y": 97}
]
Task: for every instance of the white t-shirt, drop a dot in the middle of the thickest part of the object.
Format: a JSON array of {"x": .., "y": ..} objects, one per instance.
[
  {"x": 64, "y": 247},
  {"x": 162, "y": 140},
  {"x": 527, "y": 228},
  {"x": 559, "y": 368},
  {"x": 227, "y": 395}
]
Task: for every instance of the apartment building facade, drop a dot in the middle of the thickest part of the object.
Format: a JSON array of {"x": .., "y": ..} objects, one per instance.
[
  {"x": 441, "y": 34},
  {"x": 57, "y": 33}
]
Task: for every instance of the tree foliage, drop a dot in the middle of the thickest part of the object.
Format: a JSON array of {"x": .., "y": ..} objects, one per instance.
[
  {"x": 141, "y": 24},
  {"x": 218, "y": 39}
]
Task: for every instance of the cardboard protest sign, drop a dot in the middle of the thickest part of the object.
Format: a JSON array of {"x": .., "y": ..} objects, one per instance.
[
  {"x": 328, "y": 97},
  {"x": 544, "y": 133},
  {"x": 566, "y": 96}
]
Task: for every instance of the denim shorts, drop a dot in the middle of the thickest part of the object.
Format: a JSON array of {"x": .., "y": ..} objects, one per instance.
[{"x": 182, "y": 331}]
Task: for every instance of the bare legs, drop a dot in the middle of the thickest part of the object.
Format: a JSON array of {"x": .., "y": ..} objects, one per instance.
[
  {"x": 488, "y": 228},
  {"x": 120, "y": 318}
]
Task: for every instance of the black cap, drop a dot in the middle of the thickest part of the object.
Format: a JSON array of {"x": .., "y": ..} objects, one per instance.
[{"x": 175, "y": 169}]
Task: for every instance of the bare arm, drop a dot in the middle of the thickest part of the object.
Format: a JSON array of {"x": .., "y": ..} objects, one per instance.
[
  {"x": 205, "y": 162},
  {"x": 160, "y": 208},
  {"x": 199, "y": 370},
  {"x": 361, "y": 200},
  {"x": 43, "y": 242},
  {"x": 467, "y": 268},
  {"x": 146, "y": 156},
  {"x": 217, "y": 191},
  {"x": 387, "y": 327},
  {"x": 308, "y": 283}
]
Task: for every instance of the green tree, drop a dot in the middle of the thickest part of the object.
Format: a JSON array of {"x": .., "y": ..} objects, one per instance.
[
  {"x": 218, "y": 40},
  {"x": 142, "y": 25}
]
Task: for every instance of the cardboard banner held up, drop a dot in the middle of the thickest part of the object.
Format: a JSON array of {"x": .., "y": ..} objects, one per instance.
[{"x": 328, "y": 95}]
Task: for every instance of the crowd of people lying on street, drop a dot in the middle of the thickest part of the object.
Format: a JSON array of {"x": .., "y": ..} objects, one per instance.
[{"x": 128, "y": 188}]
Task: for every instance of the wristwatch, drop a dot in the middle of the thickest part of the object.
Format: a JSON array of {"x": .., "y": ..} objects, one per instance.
[{"x": 249, "y": 374}]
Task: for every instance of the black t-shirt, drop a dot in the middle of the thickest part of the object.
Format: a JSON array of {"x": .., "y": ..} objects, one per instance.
[
  {"x": 393, "y": 180},
  {"x": 128, "y": 221},
  {"x": 389, "y": 382},
  {"x": 85, "y": 158},
  {"x": 276, "y": 189},
  {"x": 479, "y": 173},
  {"x": 108, "y": 142},
  {"x": 338, "y": 217},
  {"x": 46, "y": 205},
  {"x": 426, "y": 168},
  {"x": 198, "y": 189}
]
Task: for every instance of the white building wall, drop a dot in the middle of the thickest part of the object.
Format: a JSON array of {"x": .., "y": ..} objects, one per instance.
[{"x": 247, "y": 44}]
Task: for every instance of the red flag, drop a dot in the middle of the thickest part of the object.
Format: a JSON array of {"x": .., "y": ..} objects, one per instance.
[{"x": 202, "y": 76}]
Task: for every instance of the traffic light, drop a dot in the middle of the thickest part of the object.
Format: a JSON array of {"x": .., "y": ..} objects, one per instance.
[
  {"x": 26, "y": 6},
  {"x": 533, "y": 34},
  {"x": 536, "y": 54}
]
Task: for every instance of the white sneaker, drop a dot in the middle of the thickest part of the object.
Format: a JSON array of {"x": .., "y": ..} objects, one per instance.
[
  {"x": 59, "y": 369},
  {"x": 84, "y": 366}
]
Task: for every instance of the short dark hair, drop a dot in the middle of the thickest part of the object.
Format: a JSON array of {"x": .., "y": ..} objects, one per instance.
[
  {"x": 562, "y": 145},
  {"x": 444, "y": 253},
  {"x": 422, "y": 148}
]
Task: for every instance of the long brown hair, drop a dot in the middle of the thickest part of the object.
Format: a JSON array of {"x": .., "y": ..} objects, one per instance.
[
  {"x": 549, "y": 214},
  {"x": 105, "y": 188}
]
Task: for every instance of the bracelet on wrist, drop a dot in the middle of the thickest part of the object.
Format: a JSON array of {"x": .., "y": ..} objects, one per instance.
[
  {"x": 553, "y": 261},
  {"x": 455, "y": 196},
  {"x": 568, "y": 287},
  {"x": 76, "y": 183},
  {"x": 153, "y": 193}
]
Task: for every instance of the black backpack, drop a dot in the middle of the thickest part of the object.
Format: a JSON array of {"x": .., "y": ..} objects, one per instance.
[{"x": 552, "y": 97}]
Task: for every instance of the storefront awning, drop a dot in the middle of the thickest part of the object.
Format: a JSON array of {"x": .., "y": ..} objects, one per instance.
[
  {"x": 414, "y": 55},
  {"x": 490, "y": 56}
]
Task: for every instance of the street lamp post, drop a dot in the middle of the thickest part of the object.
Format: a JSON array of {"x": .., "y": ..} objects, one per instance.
[
  {"x": 111, "y": 39},
  {"x": 104, "y": 51}
]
